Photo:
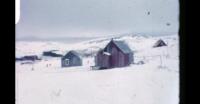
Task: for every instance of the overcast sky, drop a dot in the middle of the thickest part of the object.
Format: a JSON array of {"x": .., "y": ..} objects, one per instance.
[{"x": 93, "y": 18}]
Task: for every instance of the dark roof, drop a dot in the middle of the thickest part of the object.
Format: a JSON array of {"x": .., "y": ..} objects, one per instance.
[
  {"x": 52, "y": 53},
  {"x": 73, "y": 52},
  {"x": 122, "y": 46},
  {"x": 30, "y": 57},
  {"x": 160, "y": 42}
]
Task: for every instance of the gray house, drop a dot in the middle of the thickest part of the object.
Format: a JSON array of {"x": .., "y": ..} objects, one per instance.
[
  {"x": 72, "y": 58},
  {"x": 115, "y": 54}
]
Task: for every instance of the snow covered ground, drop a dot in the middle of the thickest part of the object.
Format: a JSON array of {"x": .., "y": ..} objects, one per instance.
[{"x": 154, "y": 82}]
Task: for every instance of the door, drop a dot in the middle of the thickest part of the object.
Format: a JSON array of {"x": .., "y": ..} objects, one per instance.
[{"x": 66, "y": 62}]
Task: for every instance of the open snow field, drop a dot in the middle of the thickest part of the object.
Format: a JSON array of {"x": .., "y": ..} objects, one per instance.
[{"x": 154, "y": 82}]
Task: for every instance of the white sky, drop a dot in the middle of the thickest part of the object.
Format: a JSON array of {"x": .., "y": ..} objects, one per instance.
[{"x": 90, "y": 18}]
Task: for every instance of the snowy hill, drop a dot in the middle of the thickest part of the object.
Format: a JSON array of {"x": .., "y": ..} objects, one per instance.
[
  {"x": 154, "y": 82},
  {"x": 136, "y": 42}
]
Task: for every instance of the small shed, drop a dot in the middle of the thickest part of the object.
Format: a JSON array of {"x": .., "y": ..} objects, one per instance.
[
  {"x": 160, "y": 43},
  {"x": 72, "y": 58},
  {"x": 115, "y": 54}
]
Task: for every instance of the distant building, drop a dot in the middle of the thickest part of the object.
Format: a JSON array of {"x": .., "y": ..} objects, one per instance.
[
  {"x": 28, "y": 58},
  {"x": 160, "y": 43},
  {"x": 52, "y": 53},
  {"x": 72, "y": 58},
  {"x": 115, "y": 54}
]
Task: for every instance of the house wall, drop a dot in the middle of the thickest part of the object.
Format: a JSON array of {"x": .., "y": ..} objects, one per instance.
[
  {"x": 98, "y": 59},
  {"x": 122, "y": 59},
  {"x": 102, "y": 60},
  {"x": 114, "y": 56},
  {"x": 73, "y": 61}
]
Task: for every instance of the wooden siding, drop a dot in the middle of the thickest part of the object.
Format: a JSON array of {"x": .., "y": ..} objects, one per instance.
[
  {"x": 102, "y": 60},
  {"x": 116, "y": 59}
]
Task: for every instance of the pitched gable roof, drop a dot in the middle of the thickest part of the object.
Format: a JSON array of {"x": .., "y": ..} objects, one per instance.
[
  {"x": 72, "y": 52},
  {"x": 160, "y": 42},
  {"x": 122, "y": 46}
]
